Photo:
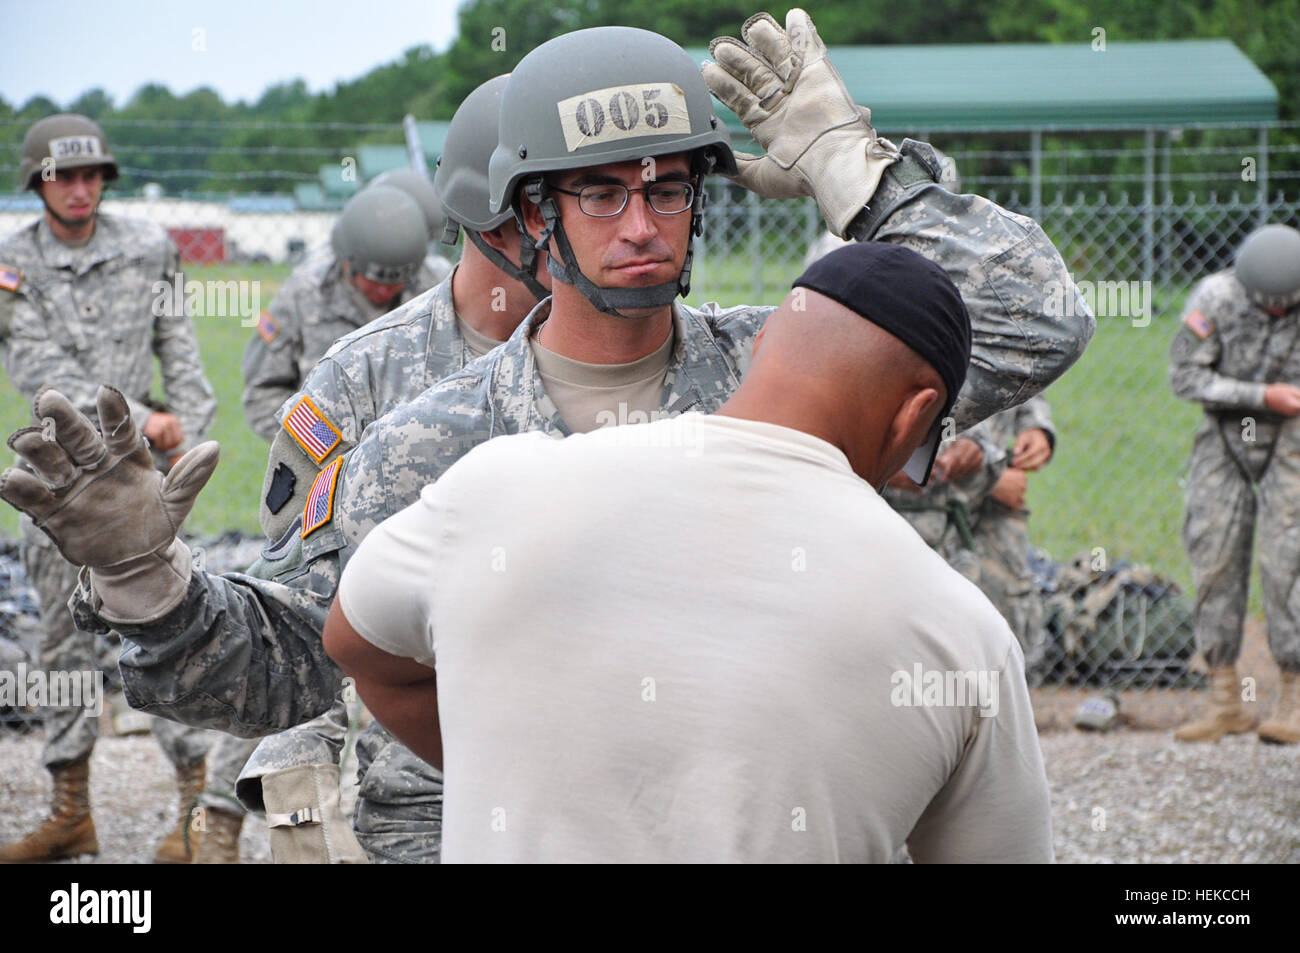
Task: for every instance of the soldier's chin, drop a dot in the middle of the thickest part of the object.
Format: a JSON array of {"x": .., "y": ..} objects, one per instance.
[{"x": 73, "y": 221}]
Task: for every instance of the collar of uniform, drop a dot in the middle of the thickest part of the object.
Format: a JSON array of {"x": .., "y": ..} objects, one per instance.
[
  {"x": 79, "y": 259},
  {"x": 444, "y": 347},
  {"x": 699, "y": 377}
]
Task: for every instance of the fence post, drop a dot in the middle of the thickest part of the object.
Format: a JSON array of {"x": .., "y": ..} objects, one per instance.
[
  {"x": 1261, "y": 172},
  {"x": 755, "y": 244},
  {"x": 1148, "y": 205},
  {"x": 1036, "y": 174}
]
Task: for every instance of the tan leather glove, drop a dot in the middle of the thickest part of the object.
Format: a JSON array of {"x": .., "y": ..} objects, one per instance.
[
  {"x": 104, "y": 505},
  {"x": 819, "y": 142}
]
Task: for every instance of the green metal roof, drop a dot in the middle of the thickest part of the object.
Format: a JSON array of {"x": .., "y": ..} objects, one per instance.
[
  {"x": 333, "y": 183},
  {"x": 376, "y": 159},
  {"x": 433, "y": 135},
  {"x": 1064, "y": 86}
]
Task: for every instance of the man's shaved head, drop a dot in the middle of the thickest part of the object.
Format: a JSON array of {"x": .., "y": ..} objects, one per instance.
[{"x": 822, "y": 364}]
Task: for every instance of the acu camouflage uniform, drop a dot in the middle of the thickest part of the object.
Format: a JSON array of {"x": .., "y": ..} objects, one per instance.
[
  {"x": 245, "y": 653},
  {"x": 315, "y": 307},
  {"x": 73, "y": 318},
  {"x": 1245, "y": 461},
  {"x": 366, "y": 374},
  {"x": 944, "y": 513},
  {"x": 1001, "y": 537}
]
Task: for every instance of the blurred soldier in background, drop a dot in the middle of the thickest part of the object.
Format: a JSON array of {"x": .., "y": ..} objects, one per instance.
[
  {"x": 77, "y": 309},
  {"x": 380, "y": 243},
  {"x": 1236, "y": 355},
  {"x": 366, "y": 374},
  {"x": 1000, "y": 529}
]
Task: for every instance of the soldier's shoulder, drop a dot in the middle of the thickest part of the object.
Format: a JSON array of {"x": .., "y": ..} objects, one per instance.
[
  {"x": 135, "y": 235},
  {"x": 1219, "y": 291},
  {"x": 19, "y": 248},
  {"x": 402, "y": 328}
]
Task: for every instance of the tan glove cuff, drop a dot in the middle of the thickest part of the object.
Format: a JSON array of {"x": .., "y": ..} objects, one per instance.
[
  {"x": 143, "y": 589},
  {"x": 844, "y": 176},
  {"x": 306, "y": 822}
]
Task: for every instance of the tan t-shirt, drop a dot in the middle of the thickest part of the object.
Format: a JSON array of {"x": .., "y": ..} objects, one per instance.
[
  {"x": 477, "y": 342},
  {"x": 700, "y": 639},
  {"x": 589, "y": 396}
]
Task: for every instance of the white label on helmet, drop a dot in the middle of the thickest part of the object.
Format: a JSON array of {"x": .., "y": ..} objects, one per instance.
[
  {"x": 624, "y": 112},
  {"x": 74, "y": 147}
]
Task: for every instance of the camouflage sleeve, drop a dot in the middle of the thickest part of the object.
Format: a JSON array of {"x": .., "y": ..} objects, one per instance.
[
  {"x": 240, "y": 654},
  {"x": 1029, "y": 323},
  {"x": 270, "y": 364},
  {"x": 975, "y": 487},
  {"x": 37, "y": 355},
  {"x": 1194, "y": 359},
  {"x": 1036, "y": 412},
  {"x": 189, "y": 394}
]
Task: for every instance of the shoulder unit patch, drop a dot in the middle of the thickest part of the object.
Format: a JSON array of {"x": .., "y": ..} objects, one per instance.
[
  {"x": 308, "y": 426},
  {"x": 267, "y": 328},
  {"x": 320, "y": 501},
  {"x": 10, "y": 277},
  {"x": 1199, "y": 324}
]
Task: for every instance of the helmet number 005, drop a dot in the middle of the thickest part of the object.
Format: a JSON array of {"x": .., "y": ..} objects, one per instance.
[
  {"x": 623, "y": 112},
  {"x": 74, "y": 147}
]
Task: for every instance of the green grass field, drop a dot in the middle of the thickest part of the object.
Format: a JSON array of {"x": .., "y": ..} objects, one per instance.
[{"x": 1123, "y": 436}]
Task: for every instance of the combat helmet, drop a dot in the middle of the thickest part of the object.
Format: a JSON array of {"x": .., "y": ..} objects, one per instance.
[
  {"x": 1268, "y": 266},
  {"x": 382, "y": 235},
  {"x": 606, "y": 94},
  {"x": 417, "y": 186},
  {"x": 70, "y": 141},
  {"x": 461, "y": 183}
]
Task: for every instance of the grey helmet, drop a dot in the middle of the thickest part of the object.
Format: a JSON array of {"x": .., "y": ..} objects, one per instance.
[
  {"x": 461, "y": 183},
  {"x": 1268, "y": 266},
  {"x": 70, "y": 141},
  {"x": 382, "y": 234},
  {"x": 606, "y": 94},
  {"x": 417, "y": 186}
]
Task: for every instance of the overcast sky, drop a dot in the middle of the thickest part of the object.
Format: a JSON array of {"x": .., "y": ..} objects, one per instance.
[{"x": 238, "y": 47}]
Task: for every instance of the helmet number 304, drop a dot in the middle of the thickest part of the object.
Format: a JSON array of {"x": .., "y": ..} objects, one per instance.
[{"x": 623, "y": 112}]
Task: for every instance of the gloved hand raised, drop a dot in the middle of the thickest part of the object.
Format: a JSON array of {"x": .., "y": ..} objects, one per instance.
[
  {"x": 104, "y": 505},
  {"x": 819, "y": 142}
]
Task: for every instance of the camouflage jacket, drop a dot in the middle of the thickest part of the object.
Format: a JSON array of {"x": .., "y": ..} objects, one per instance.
[
  {"x": 244, "y": 654},
  {"x": 75, "y": 318},
  {"x": 1229, "y": 349},
  {"x": 313, "y": 309},
  {"x": 361, "y": 377}
]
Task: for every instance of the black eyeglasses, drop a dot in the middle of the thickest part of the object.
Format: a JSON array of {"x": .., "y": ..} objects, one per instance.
[{"x": 606, "y": 201}]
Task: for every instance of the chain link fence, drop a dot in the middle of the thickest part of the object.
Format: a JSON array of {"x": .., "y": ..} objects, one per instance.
[{"x": 1140, "y": 214}]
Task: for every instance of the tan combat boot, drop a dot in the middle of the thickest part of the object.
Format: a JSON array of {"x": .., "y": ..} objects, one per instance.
[
  {"x": 220, "y": 841},
  {"x": 69, "y": 830},
  {"x": 1226, "y": 716},
  {"x": 178, "y": 846},
  {"x": 1284, "y": 727}
]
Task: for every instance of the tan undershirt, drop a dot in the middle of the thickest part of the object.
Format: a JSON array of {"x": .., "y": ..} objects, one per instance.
[
  {"x": 589, "y": 396},
  {"x": 477, "y": 342}
]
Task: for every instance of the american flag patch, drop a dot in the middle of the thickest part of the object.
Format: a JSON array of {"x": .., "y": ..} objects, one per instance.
[
  {"x": 266, "y": 327},
  {"x": 10, "y": 278},
  {"x": 320, "y": 501},
  {"x": 1199, "y": 324},
  {"x": 307, "y": 425}
]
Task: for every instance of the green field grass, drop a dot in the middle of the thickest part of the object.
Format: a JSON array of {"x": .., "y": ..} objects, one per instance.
[{"x": 1114, "y": 483}]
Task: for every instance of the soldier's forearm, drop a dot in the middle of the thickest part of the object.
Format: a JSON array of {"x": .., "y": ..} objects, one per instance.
[
  {"x": 239, "y": 654},
  {"x": 1216, "y": 392}
]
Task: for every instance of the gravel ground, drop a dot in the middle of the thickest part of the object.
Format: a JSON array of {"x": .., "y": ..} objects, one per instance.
[{"x": 1124, "y": 797}]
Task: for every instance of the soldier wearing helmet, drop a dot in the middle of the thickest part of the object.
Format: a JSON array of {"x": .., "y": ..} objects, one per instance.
[
  {"x": 367, "y": 373},
  {"x": 377, "y": 262},
  {"x": 1237, "y": 356},
  {"x": 77, "y": 291},
  {"x": 580, "y": 117}
]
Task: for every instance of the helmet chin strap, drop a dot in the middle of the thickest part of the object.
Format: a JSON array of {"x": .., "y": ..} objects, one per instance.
[
  {"x": 564, "y": 267},
  {"x": 525, "y": 272},
  {"x": 68, "y": 222}
]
